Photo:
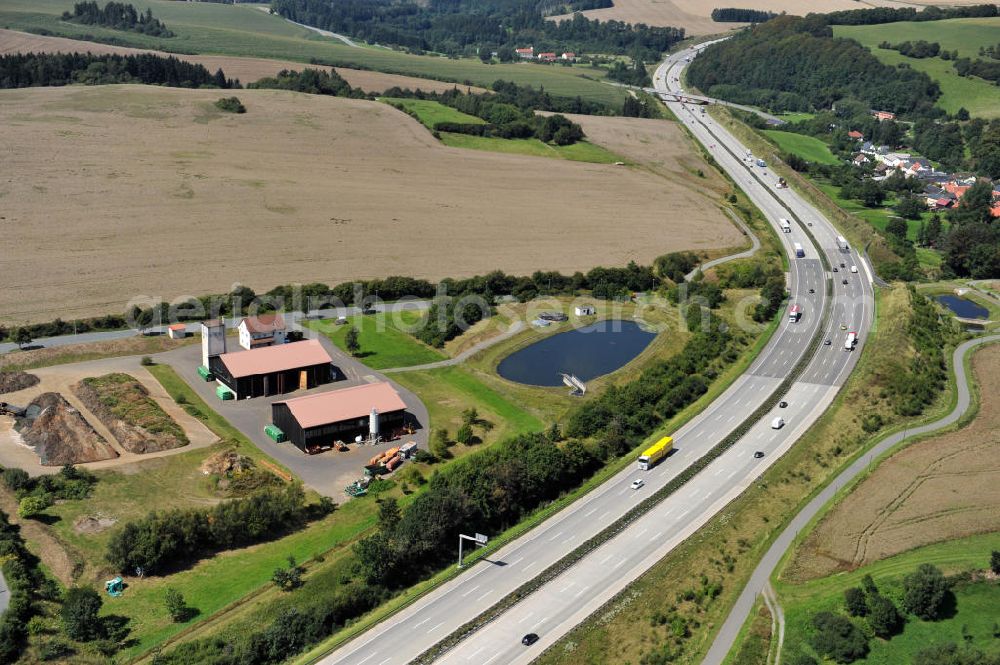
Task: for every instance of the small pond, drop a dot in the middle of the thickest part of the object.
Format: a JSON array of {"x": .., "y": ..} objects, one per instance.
[
  {"x": 967, "y": 309},
  {"x": 588, "y": 352}
]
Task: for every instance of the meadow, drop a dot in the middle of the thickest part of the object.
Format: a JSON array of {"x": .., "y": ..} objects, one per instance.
[
  {"x": 980, "y": 98},
  {"x": 382, "y": 348},
  {"x": 245, "y": 30},
  {"x": 808, "y": 148}
]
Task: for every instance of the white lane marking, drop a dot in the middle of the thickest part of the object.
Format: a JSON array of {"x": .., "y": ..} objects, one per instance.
[
  {"x": 684, "y": 513},
  {"x": 475, "y": 653},
  {"x": 530, "y": 566},
  {"x": 590, "y": 512},
  {"x": 555, "y": 536},
  {"x": 656, "y": 536},
  {"x": 526, "y": 617},
  {"x": 618, "y": 565},
  {"x": 484, "y": 595},
  {"x": 606, "y": 559},
  {"x": 642, "y": 532},
  {"x": 422, "y": 622},
  {"x": 371, "y": 655},
  {"x": 581, "y": 592},
  {"x": 491, "y": 659},
  {"x": 604, "y": 514},
  {"x": 519, "y": 560},
  {"x": 569, "y": 539},
  {"x": 735, "y": 471},
  {"x": 435, "y": 627},
  {"x": 383, "y": 662},
  {"x": 470, "y": 591}
]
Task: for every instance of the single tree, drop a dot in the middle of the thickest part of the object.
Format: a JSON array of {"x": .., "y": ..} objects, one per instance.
[
  {"x": 351, "y": 341},
  {"x": 897, "y": 226},
  {"x": 389, "y": 515},
  {"x": 464, "y": 434},
  {"x": 176, "y": 607},
  {"x": 924, "y": 592},
  {"x": 21, "y": 336},
  {"x": 80, "y": 610},
  {"x": 995, "y": 562}
]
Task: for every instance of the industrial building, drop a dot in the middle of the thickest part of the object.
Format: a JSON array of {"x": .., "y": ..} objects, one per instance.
[
  {"x": 273, "y": 370},
  {"x": 317, "y": 422}
]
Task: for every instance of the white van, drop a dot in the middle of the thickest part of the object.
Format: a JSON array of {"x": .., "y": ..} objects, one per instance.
[
  {"x": 777, "y": 423},
  {"x": 854, "y": 269}
]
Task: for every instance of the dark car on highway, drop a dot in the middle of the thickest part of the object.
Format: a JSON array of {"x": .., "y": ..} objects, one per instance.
[{"x": 529, "y": 639}]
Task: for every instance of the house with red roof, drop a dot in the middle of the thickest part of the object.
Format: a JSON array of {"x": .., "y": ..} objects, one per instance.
[
  {"x": 526, "y": 53},
  {"x": 547, "y": 57},
  {"x": 855, "y": 134}
]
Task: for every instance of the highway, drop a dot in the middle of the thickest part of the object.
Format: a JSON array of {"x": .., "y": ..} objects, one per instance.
[{"x": 567, "y": 600}]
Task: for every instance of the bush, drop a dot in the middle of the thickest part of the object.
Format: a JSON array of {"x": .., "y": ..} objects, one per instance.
[
  {"x": 230, "y": 105},
  {"x": 464, "y": 434},
  {"x": 146, "y": 361},
  {"x": 16, "y": 479},
  {"x": 884, "y": 618},
  {"x": 30, "y": 506},
  {"x": 176, "y": 606},
  {"x": 837, "y": 638},
  {"x": 855, "y": 603},
  {"x": 924, "y": 592}
]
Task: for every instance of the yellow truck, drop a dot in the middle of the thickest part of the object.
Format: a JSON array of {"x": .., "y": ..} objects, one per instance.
[{"x": 650, "y": 456}]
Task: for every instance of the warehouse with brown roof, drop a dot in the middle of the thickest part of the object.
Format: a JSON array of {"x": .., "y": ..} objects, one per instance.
[
  {"x": 317, "y": 422},
  {"x": 273, "y": 370}
]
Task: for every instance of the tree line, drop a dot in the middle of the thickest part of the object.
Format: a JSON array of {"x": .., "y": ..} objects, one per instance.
[
  {"x": 740, "y": 15},
  {"x": 168, "y": 540},
  {"x": 24, "y": 70},
  {"x": 25, "y": 582},
  {"x": 476, "y": 27},
  {"x": 634, "y": 74},
  {"x": 792, "y": 63},
  {"x": 878, "y": 15},
  {"x": 117, "y": 16}
]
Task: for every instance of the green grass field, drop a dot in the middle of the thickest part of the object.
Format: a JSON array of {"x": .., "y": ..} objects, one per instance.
[
  {"x": 388, "y": 347},
  {"x": 430, "y": 112},
  {"x": 808, "y": 148},
  {"x": 582, "y": 151},
  {"x": 979, "y": 97},
  {"x": 975, "y": 608},
  {"x": 244, "y": 30}
]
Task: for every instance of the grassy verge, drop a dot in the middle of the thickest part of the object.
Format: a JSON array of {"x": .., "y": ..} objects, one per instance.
[
  {"x": 241, "y": 30},
  {"x": 383, "y": 343},
  {"x": 755, "y": 639},
  {"x": 582, "y": 151},
  {"x": 429, "y": 112}
]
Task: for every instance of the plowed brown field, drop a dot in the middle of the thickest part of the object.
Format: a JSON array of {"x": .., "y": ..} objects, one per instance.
[
  {"x": 939, "y": 489},
  {"x": 110, "y": 192}
]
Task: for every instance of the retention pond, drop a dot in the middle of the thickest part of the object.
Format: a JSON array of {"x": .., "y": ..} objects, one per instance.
[
  {"x": 587, "y": 353},
  {"x": 963, "y": 307}
]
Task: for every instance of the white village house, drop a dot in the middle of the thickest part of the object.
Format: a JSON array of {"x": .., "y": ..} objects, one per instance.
[{"x": 262, "y": 330}]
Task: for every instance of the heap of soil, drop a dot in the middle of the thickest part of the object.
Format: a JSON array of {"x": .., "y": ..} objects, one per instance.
[
  {"x": 91, "y": 524},
  {"x": 226, "y": 463},
  {"x": 11, "y": 382},
  {"x": 132, "y": 437},
  {"x": 60, "y": 435}
]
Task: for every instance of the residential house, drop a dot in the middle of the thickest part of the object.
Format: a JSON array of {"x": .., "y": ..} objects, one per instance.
[
  {"x": 860, "y": 158},
  {"x": 855, "y": 134},
  {"x": 527, "y": 53},
  {"x": 883, "y": 115},
  {"x": 262, "y": 330},
  {"x": 956, "y": 188},
  {"x": 547, "y": 57},
  {"x": 868, "y": 148},
  {"x": 893, "y": 159},
  {"x": 177, "y": 331},
  {"x": 568, "y": 56}
]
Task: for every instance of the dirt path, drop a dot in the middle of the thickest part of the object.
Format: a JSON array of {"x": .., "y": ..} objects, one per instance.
[{"x": 40, "y": 540}]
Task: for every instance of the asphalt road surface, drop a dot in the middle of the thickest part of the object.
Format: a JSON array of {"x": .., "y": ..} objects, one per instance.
[
  {"x": 759, "y": 579},
  {"x": 567, "y": 600}
]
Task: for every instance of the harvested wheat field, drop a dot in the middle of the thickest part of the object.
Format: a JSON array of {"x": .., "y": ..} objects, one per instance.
[
  {"x": 115, "y": 191},
  {"x": 943, "y": 488},
  {"x": 695, "y": 15},
  {"x": 246, "y": 70}
]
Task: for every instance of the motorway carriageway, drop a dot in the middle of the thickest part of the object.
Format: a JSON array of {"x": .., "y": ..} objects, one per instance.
[{"x": 567, "y": 600}]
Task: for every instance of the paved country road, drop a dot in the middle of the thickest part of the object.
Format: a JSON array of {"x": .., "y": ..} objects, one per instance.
[
  {"x": 569, "y": 598},
  {"x": 761, "y": 575}
]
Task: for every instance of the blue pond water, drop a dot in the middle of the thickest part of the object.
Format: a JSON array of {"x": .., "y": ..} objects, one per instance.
[
  {"x": 964, "y": 308},
  {"x": 588, "y": 352}
]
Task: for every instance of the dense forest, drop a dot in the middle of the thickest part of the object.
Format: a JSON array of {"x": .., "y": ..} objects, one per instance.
[
  {"x": 878, "y": 15},
  {"x": 476, "y": 27},
  {"x": 117, "y": 16},
  {"x": 312, "y": 81},
  {"x": 634, "y": 74},
  {"x": 739, "y": 15},
  {"x": 795, "y": 64},
  {"x": 25, "y": 70}
]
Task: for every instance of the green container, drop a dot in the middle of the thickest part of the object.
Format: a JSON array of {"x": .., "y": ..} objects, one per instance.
[
  {"x": 275, "y": 434},
  {"x": 224, "y": 393},
  {"x": 205, "y": 373}
]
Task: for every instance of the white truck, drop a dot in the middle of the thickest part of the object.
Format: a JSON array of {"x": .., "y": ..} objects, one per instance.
[
  {"x": 794, "y": 314},
  {"x": 851, "y": 341},
  {"x": 786, "y": 226},
  {"x": 842, "y": 244}
]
